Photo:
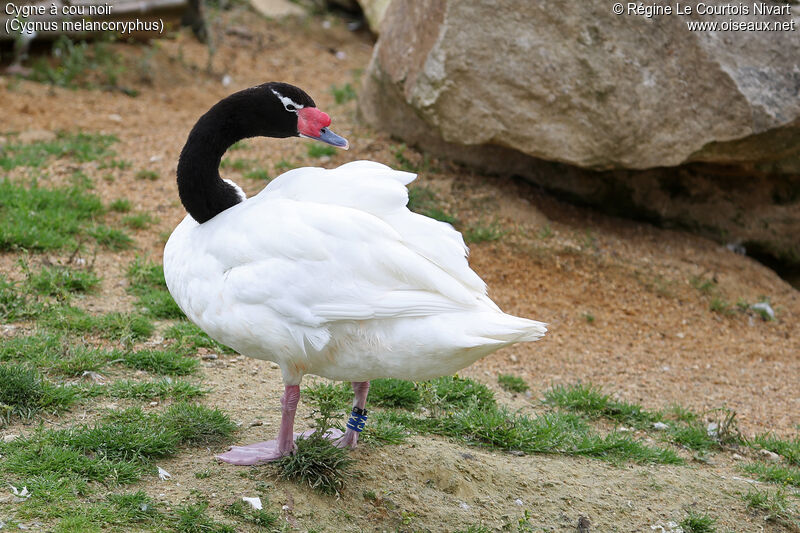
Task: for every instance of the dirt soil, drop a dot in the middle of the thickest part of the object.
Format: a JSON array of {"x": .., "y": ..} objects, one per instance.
[{"x": 618, "y": 295}]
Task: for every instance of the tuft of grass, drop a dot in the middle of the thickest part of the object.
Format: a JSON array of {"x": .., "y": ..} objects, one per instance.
[
  {"x": 382, "y": 430},
  {"x": 169, "y": 362},
  {"x": 15, "y": 304},
  {"x": 316, "y": 463},
  {"x": 774, "y": 473},
  {"x": 24, "y": 393},
  {"x": 589, "y": 317},
  {"x": 698, "y": 523},
  {"x": 40, "y": 219},
  {"x": 197, "y": 424},
  {"x": 343, "y": 94},
  {"x": 58, "y": 280},
  {"x": 483, "y": 231},
  {"x": 263, "y": 518},
  {"x": 320, "y": 150},
  {"x": 591, "y": 401},
  {"x": 112, "y": 238},
  {"x": 693, "y": 436},
  {"x": 188, "y": 338},
  {"x": 773, "y": 505},
  {"x": 123, "y": 327},
  {"x": 258, "y": 174},
  {"x": 139, "y": 220},
  {"x": 192, "y": 518},
  {"x": 81, "y": 147},
  {"x": 512, "y": 383},
  {"x": 148, "y": 285},
  {"x": 148, "y": 390},
  {"x": 283, "y": 164},
  {"x": 721, "y": 306},
  {"x": 789, "y": 449},
  {"x": 394, "y": 393},
  {"x": 328, "y": 400},
  {"x": 150, "y": 175},
  {"x": 424, "y": 201},
  {"x": 121, "y": 205},
  {"x": 453, "y": 392},
  {"x": 704, "y": 285}
]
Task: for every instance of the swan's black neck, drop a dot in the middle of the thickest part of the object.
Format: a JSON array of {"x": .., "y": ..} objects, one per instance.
[{"x": 253, "y": 112}]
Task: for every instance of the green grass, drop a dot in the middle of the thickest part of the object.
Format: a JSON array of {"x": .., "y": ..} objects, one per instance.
[
  {"x": 394, "y": 393},
  {"x": 774, "y": 473},
  {"x": 124, "y": 327},
  {"x": 320, "y": 150},
  {"x": 39, "y": 219},
  {"x": 24, "y": 393},
  {"x": 189, "y": 338},
  {"x": 159, "y": 389},
  {"x": 239, "y": 164},
  {"x": 381, "y": 430},
  {"x": 148, "y": 285},
  {"x": 121, "y": 205},
  {"x": 258, "y": 174},
  {"x": 166, "y": 362},
  {"x": 773, "y": 506},
  {"x": 112, "y": 238},
  {"x": 150, "y": 175},
  {"x": 343, "y": 94},
  {"x": 59, "y": 280},
  {"x": 512, "y": 383},
  {"x": 242, "y": 511},
  {"x": 15, "y": 303},
  {"x": 283, "y": 164},
  {"x": 139, "y": 220},
  {"x": 424, "y": 201},
  {"x": 591, "y": 401},
  {"x": 316, "y": 463},
  {"x": 789, "y": 449},
  {"x": 80, "y": 147},
  {"x": 192, "y": 518},
  {"x": 698, "y": 523},
  {"x": 117, "y": 164},
  {"x": 483, "y": 231},
  {"x": 453, "y": 392}
]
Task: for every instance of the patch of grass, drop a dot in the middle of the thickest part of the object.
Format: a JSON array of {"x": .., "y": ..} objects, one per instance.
[
  {"x": 239, "y": 145},
  {"x": 258, "y": 174},
  {"x": 197, "y": 424},
  {"x": 139, "y": 220},
  {"x": 188, "y": 338},
  {"x": 774, "y": 473},
  {"x": 39, "y": 219},
  {"x": 283, "y": 164},
  {"x": 317, "y": 464},
  {"x": 702, "y": 284},
  {"x": 80, "y": 359},
  {"x": 382, "y": 430},
  {"x": 721, "y": 306},
  {"x": 15, "y": 304},
  {"x": 124, "y": 327},
  {"x": 81, "y": 147},
  {"x": 148, "y": 390},
  {"x": 121, "y": 205},
  {"x": 40, "y": 349},
  {"x": 693, "y": 436},
  {"x": 112, "y": 238},
  {"x": 789, "y": 449},
  {"x": 192, "y": 518},
  {"x": 773, "y": 505},
  {"x": 76, "y": 64},
  {"x": 698, "y": 523},
  {"x": 483, "y": 231},
  {"x": 320, "y": 150},
  {"x": 238, "y": 164},
  {"x": 168, "y": 362},
  {"x": 394, "y": 393},
  {"x": 452, "y": 392},
  {"x": 144, "y": 174},
  {"x": 24, "y": 393},
  {"x": 424, "y": 201},
  {"x": 57, "y": 280},
  {"x": 148, "y": 285},
  {"x": 591, "y": 401},
  {"x": 588, "y": 317},
  {"x": 512, "y": 383},
  {"x": 328, "y": 400},
  {"x": 118, "y": 164},
  {"x": 343, "y": 94},
  {"x": 244, "y": 512}
]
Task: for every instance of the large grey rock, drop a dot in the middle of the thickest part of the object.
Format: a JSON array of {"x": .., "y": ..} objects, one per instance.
[
  {"x": 550, "y": 89},
  {"x": 573, "y": 82}
]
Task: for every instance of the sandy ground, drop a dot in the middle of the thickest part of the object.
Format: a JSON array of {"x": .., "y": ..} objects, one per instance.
[{"x": 652, "y": 340}]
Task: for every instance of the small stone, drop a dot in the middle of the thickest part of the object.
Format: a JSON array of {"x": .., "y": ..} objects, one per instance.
[
  {"x": 764, "y": 307},
  {"x": 661, "y": 426},
  {"x": 115, "y": 117},
  {"x": 513, "y": 358},
  {"x": 10, "y": 437},
  {"x": 770, "y": 456},
  {"x": 226, "y": 80},
  {"x": 155, "y": 158},
  {"x": 210, "y": 356},
  {"x": 153, "y": 404},
  {"x": 464, "y": 506},
  {"x": 737, "y": 457},
  {"x": 519, "y": 502},
  {"x": 255, "y": 423},
  {"x": 274, "y": 366},
  {"x": 517, "y": 453}
]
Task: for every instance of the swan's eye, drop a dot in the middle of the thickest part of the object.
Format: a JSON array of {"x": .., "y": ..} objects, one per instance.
[{"x": 290, "y": 107}]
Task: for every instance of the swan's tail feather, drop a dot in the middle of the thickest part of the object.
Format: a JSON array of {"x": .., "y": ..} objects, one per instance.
[{"x": 508, "y": 329}]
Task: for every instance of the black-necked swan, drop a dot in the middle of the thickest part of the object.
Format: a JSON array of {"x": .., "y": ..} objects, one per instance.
[{"x": 323, "y": 272}]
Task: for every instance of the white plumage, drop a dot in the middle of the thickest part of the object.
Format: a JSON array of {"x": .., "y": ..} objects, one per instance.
[{"x": 327, "y": 272}]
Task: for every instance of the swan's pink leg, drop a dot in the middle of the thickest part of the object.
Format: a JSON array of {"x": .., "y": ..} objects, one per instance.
[
  {"x": 263, "y": 452},
  {"x": 350, "y": 438}
]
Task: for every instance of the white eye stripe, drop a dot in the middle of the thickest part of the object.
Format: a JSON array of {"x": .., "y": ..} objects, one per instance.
[{"x": 286, "y": 101}]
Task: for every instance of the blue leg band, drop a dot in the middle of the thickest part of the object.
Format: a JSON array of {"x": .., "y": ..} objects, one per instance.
[{"x": 358, "y": 418}]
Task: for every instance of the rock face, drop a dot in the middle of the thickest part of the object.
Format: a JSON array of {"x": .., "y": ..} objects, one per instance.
[{"x": 513, "y": 85}]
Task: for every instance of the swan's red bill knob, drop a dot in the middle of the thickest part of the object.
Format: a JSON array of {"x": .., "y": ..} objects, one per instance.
[{"x": 313, "y": 123}]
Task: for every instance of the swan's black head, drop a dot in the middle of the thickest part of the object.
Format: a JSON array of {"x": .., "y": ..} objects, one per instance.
[
  {"x": 269, "y": 110},
  {"x": 273, "y": 110}
]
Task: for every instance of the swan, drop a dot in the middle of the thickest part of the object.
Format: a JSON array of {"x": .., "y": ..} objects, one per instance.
[{"x": 325, "y": 271}]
